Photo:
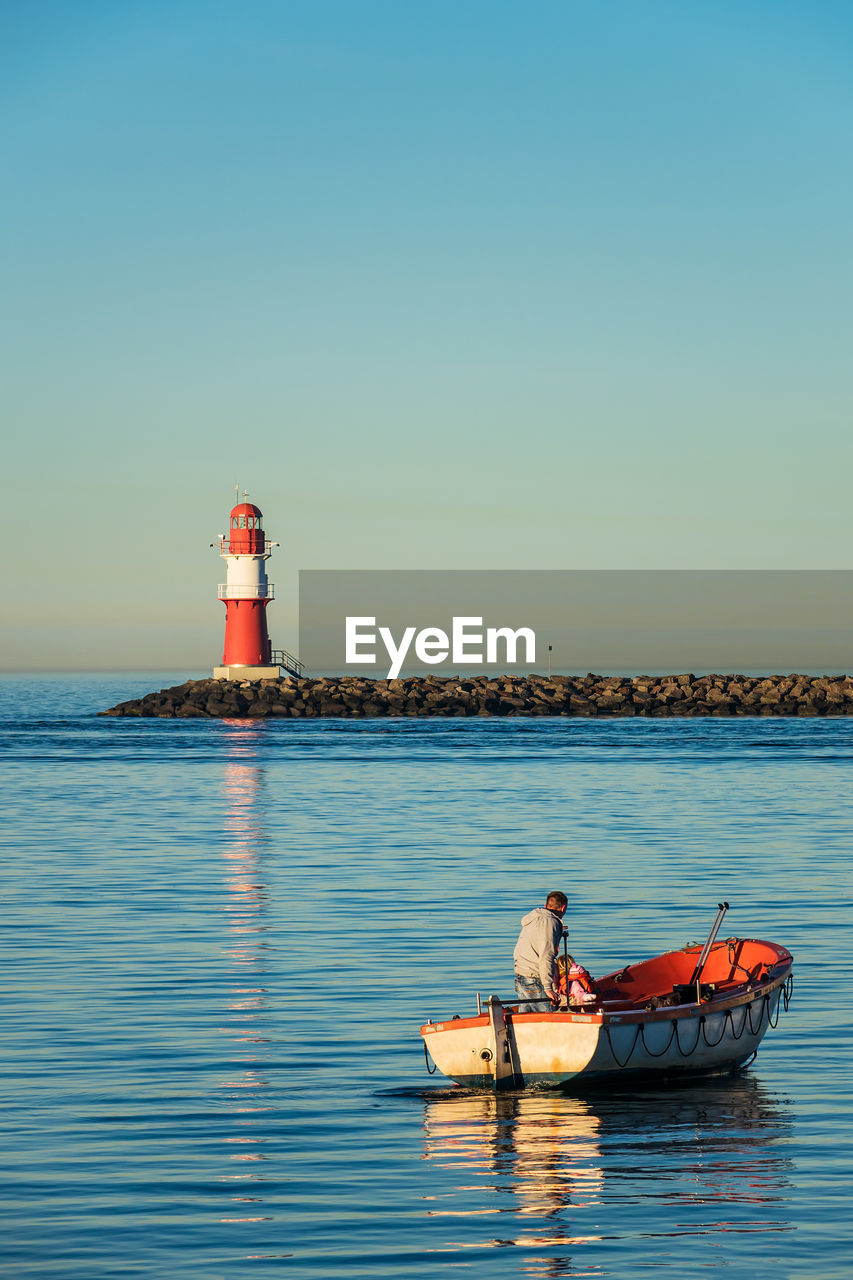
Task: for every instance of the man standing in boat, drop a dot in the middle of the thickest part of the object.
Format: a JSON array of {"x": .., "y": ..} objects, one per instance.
[{"x": 535, "y": 955}]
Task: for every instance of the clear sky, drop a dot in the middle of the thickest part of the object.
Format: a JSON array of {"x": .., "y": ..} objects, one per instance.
[{"x": 471, "y": 284}]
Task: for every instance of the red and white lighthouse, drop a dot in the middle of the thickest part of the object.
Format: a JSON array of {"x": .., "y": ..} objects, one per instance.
[{"x": 246, "y": 591}]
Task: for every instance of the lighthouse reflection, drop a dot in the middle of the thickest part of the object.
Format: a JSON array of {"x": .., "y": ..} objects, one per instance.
[
  {"x": 556, "y": 1176},
  {"x": 245, "y": 1088}
]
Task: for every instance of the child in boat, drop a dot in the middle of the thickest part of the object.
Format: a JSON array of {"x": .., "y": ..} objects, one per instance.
[{"x": 576, "y": 985}]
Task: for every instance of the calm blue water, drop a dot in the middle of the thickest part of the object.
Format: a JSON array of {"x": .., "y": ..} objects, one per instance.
[{"x": 221, "y": 938}]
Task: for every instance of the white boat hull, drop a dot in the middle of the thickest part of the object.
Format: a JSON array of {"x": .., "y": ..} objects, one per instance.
[{"x": 502, "y": 1049}]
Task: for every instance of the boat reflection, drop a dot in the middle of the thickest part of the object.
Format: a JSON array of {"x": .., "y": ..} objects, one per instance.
[{"x": 566, "y": 1173}]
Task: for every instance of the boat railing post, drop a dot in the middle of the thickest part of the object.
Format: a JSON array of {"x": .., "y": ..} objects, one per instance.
[{"x": 503, "y": 1037}]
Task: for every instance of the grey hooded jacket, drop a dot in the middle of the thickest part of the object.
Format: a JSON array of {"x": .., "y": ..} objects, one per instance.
[{"x": 535, "y": 954}]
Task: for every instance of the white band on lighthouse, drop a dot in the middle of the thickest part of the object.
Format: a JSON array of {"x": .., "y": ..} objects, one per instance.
[{"x": 246, "y": 578}]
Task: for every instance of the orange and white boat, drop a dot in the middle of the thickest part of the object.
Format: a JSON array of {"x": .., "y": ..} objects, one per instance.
[{"x": 696, "y": 1011}]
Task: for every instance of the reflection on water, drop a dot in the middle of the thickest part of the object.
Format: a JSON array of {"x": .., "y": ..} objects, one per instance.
[
  {"x": 245, "y": 1085},
  {"x": 174, "y": 1059},
  {"x": 709, "y": 1155}
]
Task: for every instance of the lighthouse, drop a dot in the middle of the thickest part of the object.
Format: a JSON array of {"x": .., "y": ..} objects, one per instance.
[{"x": 246, "y": 593}]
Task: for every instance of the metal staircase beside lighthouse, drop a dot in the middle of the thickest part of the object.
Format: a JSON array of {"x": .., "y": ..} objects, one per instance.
[{"x": 285, "y": 660}]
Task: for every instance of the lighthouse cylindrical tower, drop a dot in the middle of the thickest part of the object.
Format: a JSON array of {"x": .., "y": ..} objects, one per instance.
[{"x": 246, "y": 591}]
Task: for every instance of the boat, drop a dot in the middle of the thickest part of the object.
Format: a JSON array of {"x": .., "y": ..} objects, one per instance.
[{"x": 694, "y": 1011}]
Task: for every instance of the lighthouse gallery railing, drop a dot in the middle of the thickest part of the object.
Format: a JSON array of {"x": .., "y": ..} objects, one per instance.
[{"x": 250, "y": 591}]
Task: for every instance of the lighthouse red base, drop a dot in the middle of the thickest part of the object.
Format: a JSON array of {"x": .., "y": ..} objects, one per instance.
[{"x": 247, "y": 641}]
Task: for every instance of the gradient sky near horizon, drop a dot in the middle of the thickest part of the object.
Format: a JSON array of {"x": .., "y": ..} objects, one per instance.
[{"x": 469, "y": 284}]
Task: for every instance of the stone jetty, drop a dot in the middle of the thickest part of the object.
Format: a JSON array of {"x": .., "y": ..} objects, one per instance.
[{"x": 590, "y": 695}]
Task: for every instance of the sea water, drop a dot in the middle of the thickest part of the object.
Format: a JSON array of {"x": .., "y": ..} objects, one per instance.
[{"x": 221, "y": 938}]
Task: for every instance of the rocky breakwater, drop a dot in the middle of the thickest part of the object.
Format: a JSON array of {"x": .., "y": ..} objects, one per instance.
[{"x": 591, "y": 695}]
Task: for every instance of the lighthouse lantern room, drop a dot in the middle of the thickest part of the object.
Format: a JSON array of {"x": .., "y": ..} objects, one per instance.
[{"x": 246, "y": 593}]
